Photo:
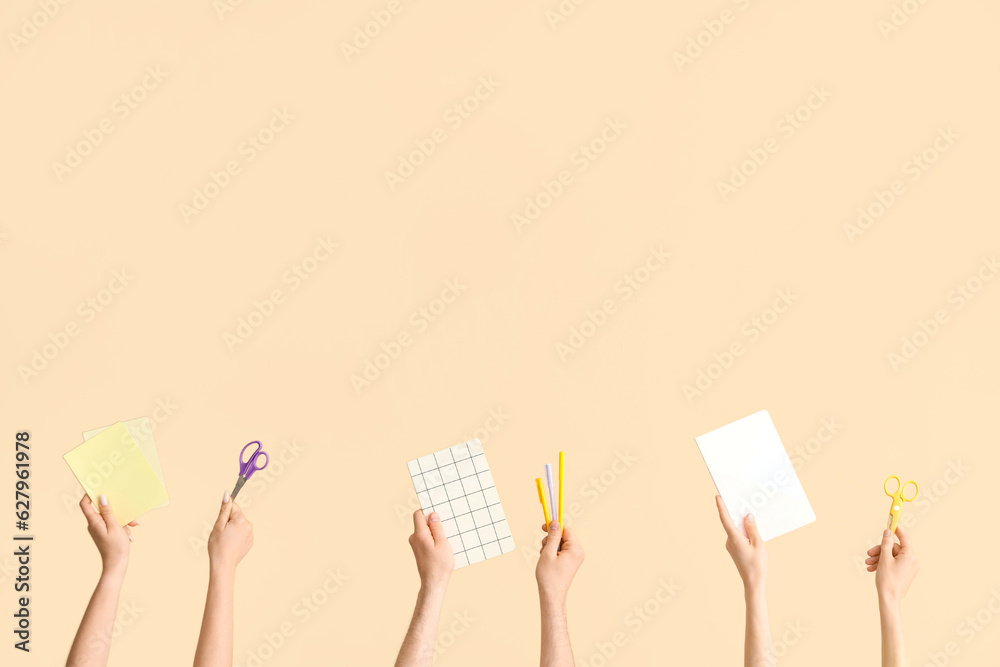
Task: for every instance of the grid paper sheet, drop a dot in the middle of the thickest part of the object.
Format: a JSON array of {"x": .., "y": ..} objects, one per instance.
[{"x": 458, "y": 485}]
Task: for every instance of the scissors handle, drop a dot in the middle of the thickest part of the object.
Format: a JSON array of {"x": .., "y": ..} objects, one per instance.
[
  {"x": 252, "y": 455},
  {"x": 902, "y": 493},
  {"x": 253, "y": 464}
]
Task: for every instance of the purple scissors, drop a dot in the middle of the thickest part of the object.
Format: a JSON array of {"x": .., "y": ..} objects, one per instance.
[{"x": 248, "y": 468}]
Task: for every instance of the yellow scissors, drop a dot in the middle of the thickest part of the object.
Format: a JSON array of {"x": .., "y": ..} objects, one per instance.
[{"x": 898, "y": 498}]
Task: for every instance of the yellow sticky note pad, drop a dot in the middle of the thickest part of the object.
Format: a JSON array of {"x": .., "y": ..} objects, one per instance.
[
  {"x": 112, "y": 463},
  {"x": 141, "y": 430}
]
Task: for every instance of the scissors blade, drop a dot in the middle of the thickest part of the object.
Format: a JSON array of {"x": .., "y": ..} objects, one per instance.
[{"x": 239, "y": 485}]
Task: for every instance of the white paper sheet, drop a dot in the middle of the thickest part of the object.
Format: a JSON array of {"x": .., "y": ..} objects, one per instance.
[{"x": 753, "y": 473}]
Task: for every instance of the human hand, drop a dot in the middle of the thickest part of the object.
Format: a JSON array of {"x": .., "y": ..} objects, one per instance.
[
  {"x": 557, "y": 566},
  {"x": 112, "y": 539},
  {"x": 895, "y": 573},
  {"x": 432, "y": 550},
  {"x": 231, "y": 538},
  {"x": 749, "y": 553}
]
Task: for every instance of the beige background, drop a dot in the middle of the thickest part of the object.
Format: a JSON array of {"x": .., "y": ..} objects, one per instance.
[{"x": 337, "y": 502}]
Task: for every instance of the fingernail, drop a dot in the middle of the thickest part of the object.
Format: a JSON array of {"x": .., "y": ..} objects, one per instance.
[
  {"x": 750, "y": 518},
  {"x": 553, "y": 526},
  {"x": 886, "y": 533},
  {"x": 130, "y": 537},
  {"x": 104, "y": 500},
  {"x": 225, "y": 497},
  {"x": 434, "y": 517}
]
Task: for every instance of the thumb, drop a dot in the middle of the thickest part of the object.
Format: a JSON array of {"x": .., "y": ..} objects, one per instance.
[
  {"x": 108, "y": 514},
  {"x": 225, "y": 511},
  {"x": 886, "y": 554},
  {"x": 750, "y": 523},
  {"x": 554, "y": 538},
  {"x": 437, "y": 528}
]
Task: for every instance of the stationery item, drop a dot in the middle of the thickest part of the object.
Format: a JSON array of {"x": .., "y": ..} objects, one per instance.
[
  {"x": 249, "y": 467},
  {"x": 898, "y": 498},
  {"x": 141, "y": 430},
  {"x": 753, "y": 474},
  {"x": 562, "y": 483},
  {"x": 545, "y": 505},
  {"x": 552, "y": 489},
  {"x": 457, "y": 484},
  {"x": 111, "y": 463}
]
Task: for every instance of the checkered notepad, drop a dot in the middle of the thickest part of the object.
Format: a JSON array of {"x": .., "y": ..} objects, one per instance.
[{"x": 458, "y": 485}]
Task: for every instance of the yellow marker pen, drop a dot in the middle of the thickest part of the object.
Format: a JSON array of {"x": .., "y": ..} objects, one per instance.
[
  {"x": 541, "y": 499},
  {"x": 562, "y": 483}
]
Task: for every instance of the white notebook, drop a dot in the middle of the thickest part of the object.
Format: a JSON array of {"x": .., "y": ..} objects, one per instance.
[
  {"x": 753, "y": 473},
  {"x": 458, "y": 485}
]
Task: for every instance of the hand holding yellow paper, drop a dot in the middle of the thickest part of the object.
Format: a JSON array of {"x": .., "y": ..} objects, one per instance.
[{"x": 112, "y": 463}]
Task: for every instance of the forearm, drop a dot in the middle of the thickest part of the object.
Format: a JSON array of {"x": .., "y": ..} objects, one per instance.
[
  {"x": 757, "y": 650},
  {"x": 215, "y": 643},
  {"x": 418, "y": 646},
  {"x": 92, "y": 643},
  {"x": 556, "y": 649},
  {"x": 893, "y": 653}
]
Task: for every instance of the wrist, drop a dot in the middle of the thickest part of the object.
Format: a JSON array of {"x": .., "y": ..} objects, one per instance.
[
  {"x": 114, "y": 570},
  {"x": 889, "y": 604},
  {"x": 433, "y": 588},
  {"x": 113, "y": 573},
  {"x": 221, "y": 568},
  {"x": 555, "y": 598},
  {"x": 755, "y": 591}
]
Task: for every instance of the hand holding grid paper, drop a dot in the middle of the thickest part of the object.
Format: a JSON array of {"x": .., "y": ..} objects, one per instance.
[{"x": 458, "y": 485}]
